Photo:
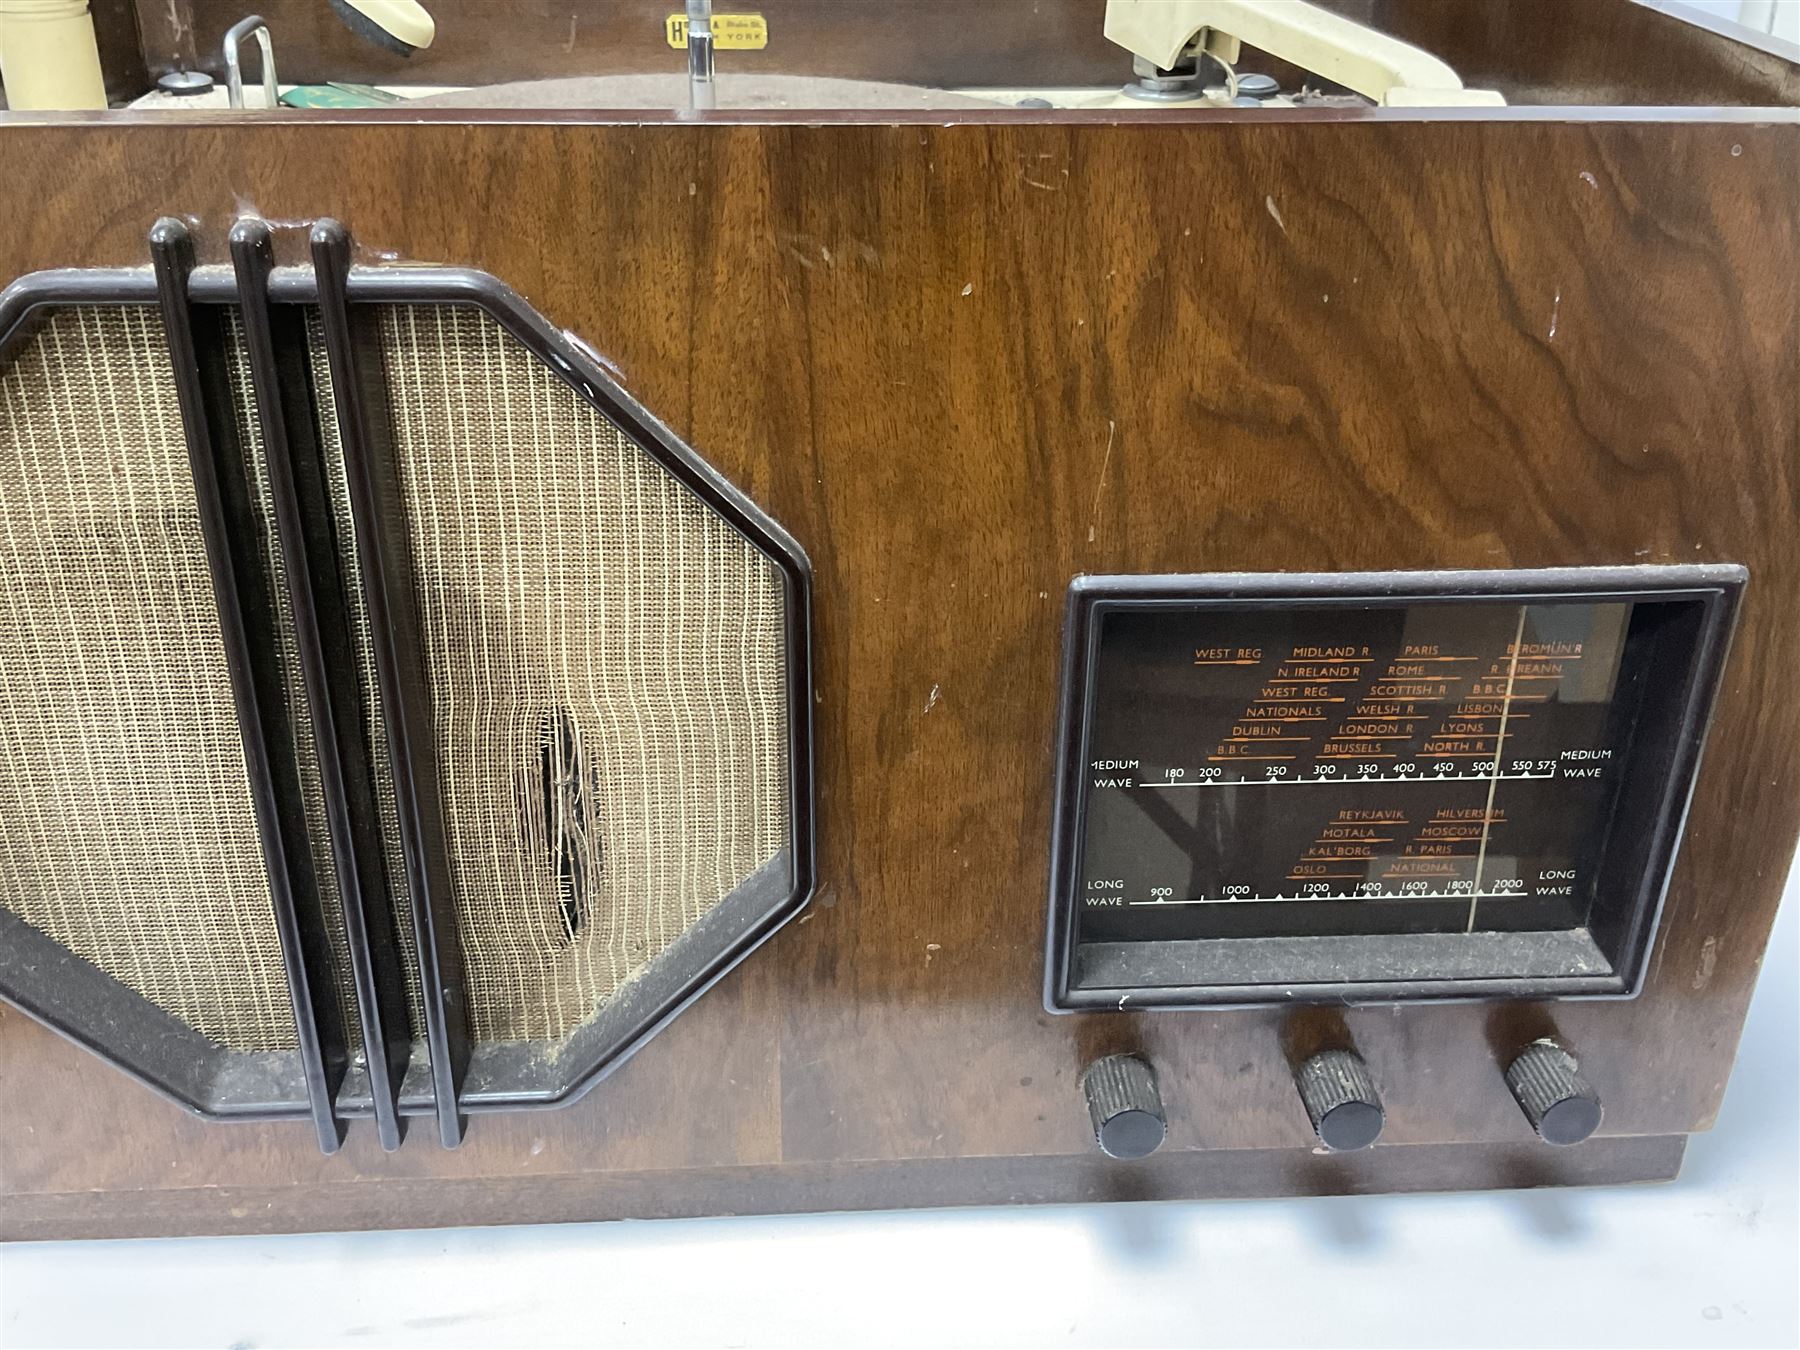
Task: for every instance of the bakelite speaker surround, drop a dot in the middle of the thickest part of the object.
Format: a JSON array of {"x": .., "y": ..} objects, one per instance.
[{"x": 398, "y": 719}]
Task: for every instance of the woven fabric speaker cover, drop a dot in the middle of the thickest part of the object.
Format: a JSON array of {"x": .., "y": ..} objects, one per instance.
[
  {"x": 275, "y": 567},
  {"x": 126, "y": 828},
  {"x": 606, "y": 662}
]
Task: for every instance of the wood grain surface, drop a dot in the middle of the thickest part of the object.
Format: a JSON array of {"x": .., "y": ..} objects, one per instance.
[
  {"x": 1657, "y": 54},
  {"x": 420, "y": 1202},
  {"x": 963, "y": 363}
]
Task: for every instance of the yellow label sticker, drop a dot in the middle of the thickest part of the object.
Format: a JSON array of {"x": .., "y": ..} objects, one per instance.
[{"x": 731, "y": 32}]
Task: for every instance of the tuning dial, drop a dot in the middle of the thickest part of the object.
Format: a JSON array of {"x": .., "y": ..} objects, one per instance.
[
  {"x": 1125, "y": 1106},
  {"x": 1340, "y": 1099},
  {"x": 1555, "y": 1098}
]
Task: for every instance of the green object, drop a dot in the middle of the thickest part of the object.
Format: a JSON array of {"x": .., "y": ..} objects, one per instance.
[{"x": 336, "y": 95}]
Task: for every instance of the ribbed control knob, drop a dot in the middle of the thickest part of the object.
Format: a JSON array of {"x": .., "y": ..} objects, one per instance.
[
  {"x": 1555, "y": 1098},
  {"x": 1340, "y": 1100},
  {"x": 1125, "y": 1106}
]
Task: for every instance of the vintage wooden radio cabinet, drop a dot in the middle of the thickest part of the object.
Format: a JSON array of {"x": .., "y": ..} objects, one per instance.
[{"x": 933, "y": 633}]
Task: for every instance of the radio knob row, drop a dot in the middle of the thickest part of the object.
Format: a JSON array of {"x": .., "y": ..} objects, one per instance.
[{"x": 1126, "y": 1110}]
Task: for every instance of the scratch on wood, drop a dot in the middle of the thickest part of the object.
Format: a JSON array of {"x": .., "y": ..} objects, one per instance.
[
  {"x": 1709, "y": 960},
  {"x": 1100, "y": 486}
]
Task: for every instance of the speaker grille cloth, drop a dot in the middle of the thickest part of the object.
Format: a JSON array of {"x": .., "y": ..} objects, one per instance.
[
  {"x": 331, "y": 448},
  {"x": 299, "y": 710},
  {"x": 126, "y": 828},
  {"x": 606, "y": 658}
]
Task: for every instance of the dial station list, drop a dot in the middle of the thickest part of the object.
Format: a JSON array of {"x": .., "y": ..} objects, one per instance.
[{"x": 1428, "y": 767}]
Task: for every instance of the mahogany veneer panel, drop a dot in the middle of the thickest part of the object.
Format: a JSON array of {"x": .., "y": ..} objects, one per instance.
[{"x": 964, "y": 363}]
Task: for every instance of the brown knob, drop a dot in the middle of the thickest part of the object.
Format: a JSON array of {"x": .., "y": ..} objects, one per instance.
[
  {"x": 1340, "y": 1099},
  {"x": 1546, "y": 1082},
  {"x": 1125, "y": 1107}
]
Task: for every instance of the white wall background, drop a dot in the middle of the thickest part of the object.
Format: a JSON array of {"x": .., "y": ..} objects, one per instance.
[{"x": 1778, "y": 17}]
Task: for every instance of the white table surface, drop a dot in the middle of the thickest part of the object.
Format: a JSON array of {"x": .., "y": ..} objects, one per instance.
[{"x": 1710, "y": 1260}]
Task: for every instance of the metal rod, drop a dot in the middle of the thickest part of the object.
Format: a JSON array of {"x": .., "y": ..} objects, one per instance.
[
  {"x": 248, "y": 26},
  {"x": 702, "y": 92},
  {"x": 321, "y": 638},
  {"x": 405, "y": 700},
  {"x": 256, "y": 695}
]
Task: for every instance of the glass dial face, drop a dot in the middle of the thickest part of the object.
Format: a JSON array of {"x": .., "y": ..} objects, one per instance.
[{"x": 1445, "y": 767}]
